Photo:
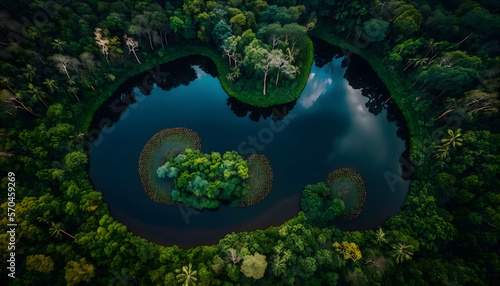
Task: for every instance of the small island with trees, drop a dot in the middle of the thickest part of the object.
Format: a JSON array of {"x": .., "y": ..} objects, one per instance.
[{"x": 173, "y": 170}]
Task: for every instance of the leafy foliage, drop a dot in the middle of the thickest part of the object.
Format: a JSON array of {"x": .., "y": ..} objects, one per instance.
[{"x": 206, "y": 180}]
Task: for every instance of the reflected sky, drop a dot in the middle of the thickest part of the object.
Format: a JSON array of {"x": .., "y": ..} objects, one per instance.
[{"x": 329, "y": 128}]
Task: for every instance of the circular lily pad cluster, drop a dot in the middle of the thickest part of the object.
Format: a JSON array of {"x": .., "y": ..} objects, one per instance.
[
  {"x": 163, "y": 146},
  {"x": 348, "y": 185},
  {"x": 260, "y": 179}
]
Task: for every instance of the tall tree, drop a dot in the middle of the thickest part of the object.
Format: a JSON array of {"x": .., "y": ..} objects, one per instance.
[{"x": 132, "y": 45}]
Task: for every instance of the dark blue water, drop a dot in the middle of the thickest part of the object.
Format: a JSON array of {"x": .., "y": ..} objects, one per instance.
[{"x": 331, "y": 126}]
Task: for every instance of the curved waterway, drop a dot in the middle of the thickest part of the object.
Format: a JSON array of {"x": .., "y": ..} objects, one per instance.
[{"x": 342, "y": 119}]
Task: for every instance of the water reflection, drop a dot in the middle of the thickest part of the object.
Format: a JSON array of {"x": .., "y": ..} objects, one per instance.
[{"x": 331, "y": 127}]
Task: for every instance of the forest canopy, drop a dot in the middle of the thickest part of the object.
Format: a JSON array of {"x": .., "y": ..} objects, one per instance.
[{"x": 207, "y": 180}]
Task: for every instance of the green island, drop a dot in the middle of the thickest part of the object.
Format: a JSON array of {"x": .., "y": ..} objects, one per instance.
[
  {"x": 206, "y": 180},
  {"x": 200, "y": 180},
  {"x": 61, "y": 60}
]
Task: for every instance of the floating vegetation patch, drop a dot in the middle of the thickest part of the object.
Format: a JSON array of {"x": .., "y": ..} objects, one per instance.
[
  {"x": 163, "y": 146},
  {"x": 349, "y": 186},
  {"x": 260, "y": 179}
]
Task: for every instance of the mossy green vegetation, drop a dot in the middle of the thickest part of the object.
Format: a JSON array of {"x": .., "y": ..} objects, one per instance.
[
  {"x": 321, "y": 205},
  {"x": 206, "y": 180},
  {"x": 260, "y": 179},
  {"x": 162, "y": 147},
  {"x": 349, "y": 186}
]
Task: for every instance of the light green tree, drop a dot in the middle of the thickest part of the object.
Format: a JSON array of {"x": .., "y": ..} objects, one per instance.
[
  {"x": 186, "y": 275},
  {"x": 401, "y": 252},
  {"x": 380, "y": 236},
  {"x": 78, "y": 271},
  {"x": 40, "y": 263},
  {"x": 254, "y": 265}
]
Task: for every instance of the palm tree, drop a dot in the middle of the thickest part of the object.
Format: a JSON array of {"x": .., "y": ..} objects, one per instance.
[
  {"x": 401, "y": 252},
  {"x": 37, "y": 93},
  {"x": 187, "y": 277},
  {"x": 230, "y": 77},
  {"x": 279, "y": 262},
  {"x": 431, "y": 45},
  {"x": 418, "y": 61},
  {"x": 59, "y": 45},
  {"x": 74, "y": 90},
  {"x": 5, "y": 81},
  {"x": 14, "y": 101},
  {"x": 380, "y": 235},
  {"x": 29, "y": 72},
  {"x": 442, "y": 151},
  {"x": 110, "y": 77},
  {"x": 454, "y": 140},
  {"x": 51, "y": 84},
  {"x": 56, "y": 231},
  {"x": 77, "y": 138}
]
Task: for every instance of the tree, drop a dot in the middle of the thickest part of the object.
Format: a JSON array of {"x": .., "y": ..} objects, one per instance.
[
  {"x": 418, "y": 61},
  {"x": 234, "y": 256},
  {"x": 103, "y": 42},
  {"x": 221, "y": 31},
  {"x": 279, "y": 62},
  {"x": 75, "y": 161},
  {"x": 59, "y": 45},
  {"x": 380, "y": 236},
  {"x": 206, "y": 180},
  {"x": 348, "y": 250},
  {"x": 37, "y": 93},
  {"x": 453, "y": 72},
  {"x": 51, "y": 84},
  {"x": 132, "y": 45},
  {"x": 74, "y": 91},
  {"x": 407, "y": 18},
  {"x": 29, "y": 72},
  {"x": 254, "y": 265},
  {"x": 319, "y": 205},
  {"x": 78, "y": 271},
  {"x": 280, "y": 259},
  {"x": 62, "y": 62},
  {"x": 186, "y": 275},
  {"x": 401, "y": 252},
  {"x": 455, "y": 138},
  {"x": 375, "y": 29},
  {"x": 56, "y": 231},
  {"x": 40, "y": 263},
  {"x": 14, "y": 101},
  {"x": 257, "y": 56}
]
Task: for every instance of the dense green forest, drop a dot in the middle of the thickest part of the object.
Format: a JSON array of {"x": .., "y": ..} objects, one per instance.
[{"x": 59, "y": 60}]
